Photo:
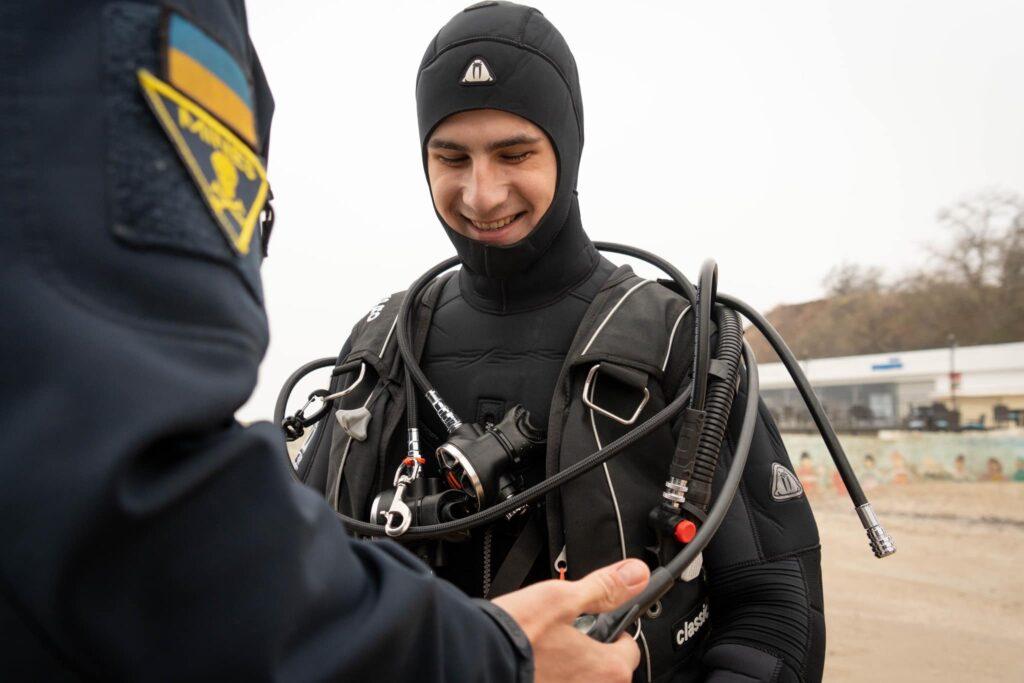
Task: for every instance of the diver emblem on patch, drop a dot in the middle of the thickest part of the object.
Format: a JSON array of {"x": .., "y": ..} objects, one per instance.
[
  {"x": 227, "y": 172},
  {"x": 785, "y": 485}
]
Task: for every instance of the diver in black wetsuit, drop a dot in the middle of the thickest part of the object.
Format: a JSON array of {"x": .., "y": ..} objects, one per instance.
[{"x": 501, "y": 125}]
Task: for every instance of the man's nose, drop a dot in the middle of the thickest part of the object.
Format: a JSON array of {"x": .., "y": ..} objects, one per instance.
[{"x": 484, "y": 190}]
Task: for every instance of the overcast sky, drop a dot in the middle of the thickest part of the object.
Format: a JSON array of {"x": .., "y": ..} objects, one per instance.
[{"x": 779, "y": 138}]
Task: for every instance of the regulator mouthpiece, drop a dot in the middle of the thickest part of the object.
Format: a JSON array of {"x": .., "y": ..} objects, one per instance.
[{"x": 880, "y": 540}]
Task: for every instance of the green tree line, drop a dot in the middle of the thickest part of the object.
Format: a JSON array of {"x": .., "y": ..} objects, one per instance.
[{"x": 972, "y": 288}]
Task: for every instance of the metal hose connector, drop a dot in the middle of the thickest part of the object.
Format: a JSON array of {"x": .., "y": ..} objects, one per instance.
[
  {"x": 448, "y": 417},
  {"x": 675, "y": 492},
  {"x": 881, "y": 542}
]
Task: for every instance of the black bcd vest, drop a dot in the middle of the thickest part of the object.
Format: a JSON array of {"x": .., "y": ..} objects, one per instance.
[{"x": 639, "y": 332}]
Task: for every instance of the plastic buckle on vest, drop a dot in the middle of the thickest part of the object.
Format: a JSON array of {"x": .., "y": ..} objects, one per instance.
[
  {"x": 588, "y": 399},
  {"x": 348, "y": 390}
]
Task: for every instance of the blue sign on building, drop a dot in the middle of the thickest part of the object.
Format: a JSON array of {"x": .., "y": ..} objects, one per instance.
[{"x": 893, "y": 363}]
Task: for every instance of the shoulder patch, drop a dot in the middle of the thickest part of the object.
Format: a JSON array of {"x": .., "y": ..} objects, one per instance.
[
  {"x": 785, "y": 485},
  {"x": 229, "y": 175}
]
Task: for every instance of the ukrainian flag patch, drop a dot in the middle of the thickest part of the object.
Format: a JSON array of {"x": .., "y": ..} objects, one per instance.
[
  {"x": 230, "y": 176},
  {"x": 203, "y": 69}
]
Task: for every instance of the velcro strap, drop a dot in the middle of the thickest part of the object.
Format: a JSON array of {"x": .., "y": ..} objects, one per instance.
[{"x": 520, "y": 559}]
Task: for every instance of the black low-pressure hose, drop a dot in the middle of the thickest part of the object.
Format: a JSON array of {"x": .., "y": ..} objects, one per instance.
[
  {"x": 717, "y": 406},
  {"x": 685, "y": 286},
  {"x": 881, "y": 543},
  {"x": 402, "y": 329},
  {"x": 707, "y": 286},
  {"x": 411, "y": 409},
  {"x": 536, "y": 491},
  {"x": 289, "y": 385},
  {"x": 804, "y": 387}
]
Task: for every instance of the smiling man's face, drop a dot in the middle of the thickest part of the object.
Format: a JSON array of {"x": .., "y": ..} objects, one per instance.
[{"x": 492, "y": 174}]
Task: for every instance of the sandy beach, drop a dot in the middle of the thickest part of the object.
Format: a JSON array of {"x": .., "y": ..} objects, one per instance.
[{"x": 948, "y": 606}]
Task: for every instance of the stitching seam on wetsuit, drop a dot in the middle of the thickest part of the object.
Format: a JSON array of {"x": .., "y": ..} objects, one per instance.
[{"x": 774, "y": 558}]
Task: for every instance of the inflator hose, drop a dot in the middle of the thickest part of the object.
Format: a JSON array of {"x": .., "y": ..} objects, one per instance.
[
  {"x": 718, "y": 406},
  {"x": 707, "y": 286},
  {"x": 804, "y": 387}
]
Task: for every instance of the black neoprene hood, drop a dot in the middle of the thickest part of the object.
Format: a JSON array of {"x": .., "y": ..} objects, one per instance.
[{"x": 528, "y": 71}]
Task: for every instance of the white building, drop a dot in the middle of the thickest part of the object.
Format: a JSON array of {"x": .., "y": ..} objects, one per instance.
[{"x": 881, "y": 390}]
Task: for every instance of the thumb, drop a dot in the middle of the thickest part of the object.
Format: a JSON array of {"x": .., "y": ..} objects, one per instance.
[{"x": 607, "y": 588}]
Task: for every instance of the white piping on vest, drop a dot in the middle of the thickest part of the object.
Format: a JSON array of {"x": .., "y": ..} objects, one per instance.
[
  {"x": 612, "y": 312},
  {"x": 348, "y": 443},
  {"x": 671, "y": 338},
  {"x": 608, "y": 477},
  {"x": 647, "y": 653},
  {"x": 618, "y": 520}
]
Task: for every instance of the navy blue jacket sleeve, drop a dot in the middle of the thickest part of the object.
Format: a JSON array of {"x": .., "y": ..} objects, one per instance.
[{"x": 146, "y": 534}]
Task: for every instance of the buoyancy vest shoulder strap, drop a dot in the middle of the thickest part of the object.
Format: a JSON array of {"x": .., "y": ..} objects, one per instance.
[
  {"x": 356, "y": 469},
  {"x": 623, "y": 366},
  {"x": 372, "y": 337},
  {"x": 634, "y": 324}
]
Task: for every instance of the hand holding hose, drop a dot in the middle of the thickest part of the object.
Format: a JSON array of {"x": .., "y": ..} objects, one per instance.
[{"x": 546, "y": 612}]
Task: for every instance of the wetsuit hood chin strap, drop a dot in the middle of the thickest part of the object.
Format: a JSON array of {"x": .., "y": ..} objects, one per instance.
[
  {"x": 497, "y": 261},
  {"x": 550, "y": 274}
]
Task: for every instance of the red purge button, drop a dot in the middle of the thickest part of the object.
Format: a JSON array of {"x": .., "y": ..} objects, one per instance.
[{"x": 685, "y": 531}]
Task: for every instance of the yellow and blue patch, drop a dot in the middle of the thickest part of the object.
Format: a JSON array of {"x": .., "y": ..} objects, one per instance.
[
  {"x": 228, "y": 173},
  {"x": 203, "y": 69}
]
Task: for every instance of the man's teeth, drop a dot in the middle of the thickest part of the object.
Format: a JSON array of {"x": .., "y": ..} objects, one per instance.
[{"x": 494, "y": 225}]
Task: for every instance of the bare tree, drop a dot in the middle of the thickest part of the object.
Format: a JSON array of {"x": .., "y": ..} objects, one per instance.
[
  {"x": 852, "y": 278},
  {"x": 984, "y": 228},
  {"x": 974, "y": 290}
]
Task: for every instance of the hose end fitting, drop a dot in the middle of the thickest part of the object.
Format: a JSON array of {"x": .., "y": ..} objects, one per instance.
[
  {"x": 881, "y": 542},
  {"x": 448, "y": 417}
]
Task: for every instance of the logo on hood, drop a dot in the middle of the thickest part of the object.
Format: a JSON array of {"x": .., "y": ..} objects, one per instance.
[{"x": 477, "y": 73}]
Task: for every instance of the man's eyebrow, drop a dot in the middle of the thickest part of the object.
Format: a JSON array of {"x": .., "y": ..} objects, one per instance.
[
  {"x": 521, "y": 139},
  {"x": 436, "y": 143}
]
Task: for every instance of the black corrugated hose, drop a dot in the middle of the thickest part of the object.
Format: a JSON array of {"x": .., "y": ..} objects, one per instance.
[{"x": 717, "y": 407}]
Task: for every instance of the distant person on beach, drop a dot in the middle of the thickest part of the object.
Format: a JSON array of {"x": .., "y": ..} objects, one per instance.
[
  {"x": 870, "y": 477},
  {"x": 1018, "y": 475},
  {"x": 932, "y": 470},
  {"x": 899, "y": 472},
  {"x": 994, "y": 471},
  {"x": 960, "y": 472},
  {"x": 808, "y": 473},
  {"x": 838, "y": 484}
]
